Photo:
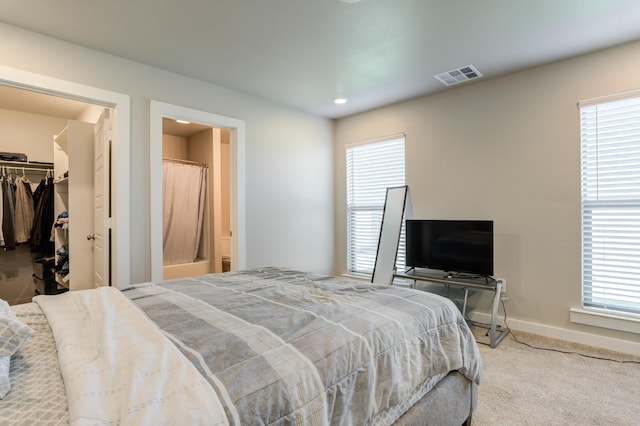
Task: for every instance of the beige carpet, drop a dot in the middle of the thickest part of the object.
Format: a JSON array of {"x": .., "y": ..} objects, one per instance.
[{"x": 524, "y": 386}]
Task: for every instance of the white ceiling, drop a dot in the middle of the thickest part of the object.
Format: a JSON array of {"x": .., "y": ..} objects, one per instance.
[
  {"x": 303, "y": 53},
  {"x": 39, "y": 103}
]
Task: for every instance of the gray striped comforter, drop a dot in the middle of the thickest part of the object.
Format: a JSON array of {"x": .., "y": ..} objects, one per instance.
[{"x": 285, "y": 347}]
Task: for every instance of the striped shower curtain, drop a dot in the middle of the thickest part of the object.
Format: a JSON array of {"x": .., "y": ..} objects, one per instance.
[{"x": 183, "y": 187}]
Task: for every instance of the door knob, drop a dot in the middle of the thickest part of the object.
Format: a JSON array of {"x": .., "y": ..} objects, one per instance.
[{"x": 91, "y": 237}]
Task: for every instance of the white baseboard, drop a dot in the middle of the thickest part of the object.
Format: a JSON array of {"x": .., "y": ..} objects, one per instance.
[{"x": 580, "y": 337}]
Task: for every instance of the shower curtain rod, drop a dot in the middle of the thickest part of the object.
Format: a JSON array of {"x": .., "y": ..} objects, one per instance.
[{"x": 177, "y": 160}]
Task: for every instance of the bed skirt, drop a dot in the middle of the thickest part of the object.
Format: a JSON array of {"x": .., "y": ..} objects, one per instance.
[{"x": 456, "y": 392}]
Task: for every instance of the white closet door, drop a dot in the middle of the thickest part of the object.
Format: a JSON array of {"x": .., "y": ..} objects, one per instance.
[
  {"x": 101, "y": 201},
  {"x": 80, "y": 152}
]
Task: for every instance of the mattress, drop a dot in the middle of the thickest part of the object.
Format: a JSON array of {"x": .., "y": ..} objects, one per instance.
[{"x": 286, "y": 347}]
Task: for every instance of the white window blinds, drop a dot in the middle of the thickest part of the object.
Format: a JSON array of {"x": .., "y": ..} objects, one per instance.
[
  {"x": 371, "y": 169},
  {"x": 610, "y": 147}
]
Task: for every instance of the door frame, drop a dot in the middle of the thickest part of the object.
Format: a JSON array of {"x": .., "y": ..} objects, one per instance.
[
  {"x": 160, "y": 110},
  {"x": 120, "y": 154}
]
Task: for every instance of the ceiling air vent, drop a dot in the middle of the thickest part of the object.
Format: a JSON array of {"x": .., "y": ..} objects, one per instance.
[{"x": 459, "y": 75}]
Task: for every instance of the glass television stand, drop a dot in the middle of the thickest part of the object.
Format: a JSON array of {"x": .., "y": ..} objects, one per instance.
[{"x": 486, "y": 284}]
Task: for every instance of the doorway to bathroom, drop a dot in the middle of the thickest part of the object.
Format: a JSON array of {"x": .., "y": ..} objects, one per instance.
[
  {"x": 210, "y": 149},
  {"x": 196, "y": 214}
]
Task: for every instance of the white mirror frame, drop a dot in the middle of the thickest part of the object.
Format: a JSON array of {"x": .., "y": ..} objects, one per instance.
[{"x": 390, "y": 230}]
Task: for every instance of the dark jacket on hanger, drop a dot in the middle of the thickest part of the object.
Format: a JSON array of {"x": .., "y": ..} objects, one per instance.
[
  {"x": 8, "y": 220},
  {"x": 41, "y": 230}
]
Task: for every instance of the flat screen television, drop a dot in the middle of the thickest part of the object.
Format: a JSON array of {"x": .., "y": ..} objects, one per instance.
[{"x": 453, "y": 246}]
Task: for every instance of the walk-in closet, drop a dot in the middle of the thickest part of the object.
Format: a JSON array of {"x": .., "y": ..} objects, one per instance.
[{"x": 46, "y": 175}]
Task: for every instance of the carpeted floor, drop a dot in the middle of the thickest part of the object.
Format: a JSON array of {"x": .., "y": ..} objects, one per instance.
[{"x": 525, "y": 386}]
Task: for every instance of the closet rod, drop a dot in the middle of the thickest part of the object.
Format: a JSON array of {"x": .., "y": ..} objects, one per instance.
[
  {"x": 31, "y": 169},
  {"x": 177, "y": 160},
  {"x": 25, "y": 164}
]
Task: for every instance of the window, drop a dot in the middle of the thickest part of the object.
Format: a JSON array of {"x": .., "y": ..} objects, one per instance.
[
  {"x": 610, "y": 147},
  {"x": 372, "y": 167}
]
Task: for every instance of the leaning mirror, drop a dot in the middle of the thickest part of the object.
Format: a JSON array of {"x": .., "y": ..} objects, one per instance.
[{"x": 389, "y": 235}]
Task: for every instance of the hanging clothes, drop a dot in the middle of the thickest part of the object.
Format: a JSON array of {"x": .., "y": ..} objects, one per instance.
[
  {"x": 1, "y": 209},
  {"x": 24, "y": 210},
  {"x": 38, "y": 192},
  {"x": 43, "y": 218},
  {"x": 36, "y": 228},
  {"x": 8, "y": 214}
]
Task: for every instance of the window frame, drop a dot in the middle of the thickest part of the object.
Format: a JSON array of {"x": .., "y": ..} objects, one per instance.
[
  {"x": 353, "y": 266},
  {"x": 603, "y": 310}
]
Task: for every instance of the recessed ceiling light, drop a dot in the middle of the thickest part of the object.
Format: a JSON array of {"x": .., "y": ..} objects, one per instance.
[
  {"x": 183, "y": 122},
  {"x": 340, "y": 101}
]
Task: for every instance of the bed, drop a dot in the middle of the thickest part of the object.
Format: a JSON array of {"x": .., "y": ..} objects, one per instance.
[{"x": 261, "y": 346}]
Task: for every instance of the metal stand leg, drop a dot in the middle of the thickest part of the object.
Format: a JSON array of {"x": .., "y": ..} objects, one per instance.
[
  {"x": 464, "y": 304},
  {"x": 494, "y": 338},
  {"x": 495, "y": 333}
]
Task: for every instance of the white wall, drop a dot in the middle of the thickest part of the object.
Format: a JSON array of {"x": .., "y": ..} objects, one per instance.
[
  {"x": 506, "y": 149},
  {"x": 174, "y": 147},
  {"x": 289, "y": 183},
  {"x": 31, "y": 134}
]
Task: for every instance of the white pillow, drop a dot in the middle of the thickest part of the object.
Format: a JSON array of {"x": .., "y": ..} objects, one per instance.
[{"x": 13, "y": 334}]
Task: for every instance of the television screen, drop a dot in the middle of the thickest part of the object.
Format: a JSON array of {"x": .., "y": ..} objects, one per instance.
[{"x": 451, "y": 245}]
